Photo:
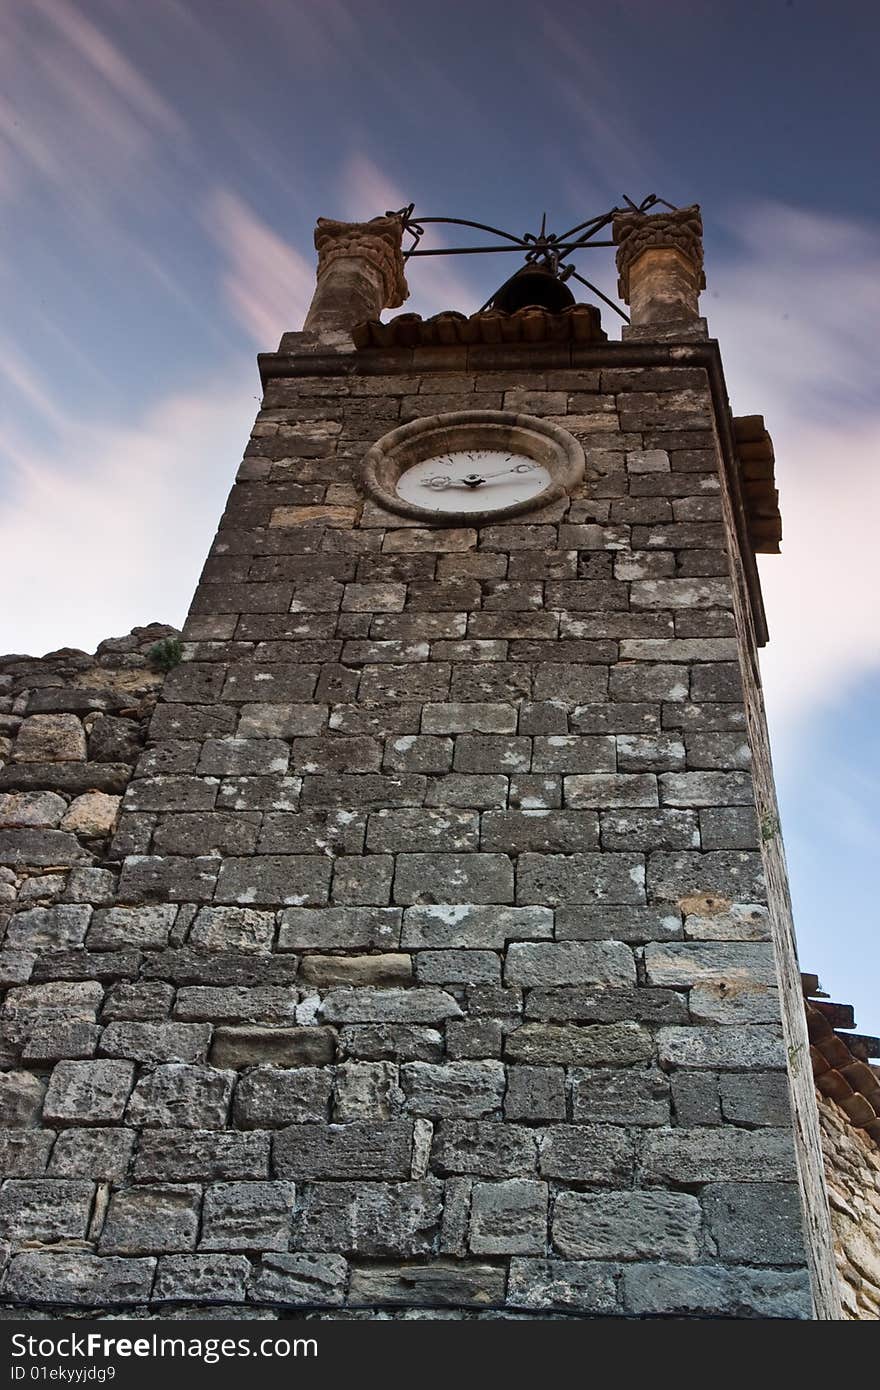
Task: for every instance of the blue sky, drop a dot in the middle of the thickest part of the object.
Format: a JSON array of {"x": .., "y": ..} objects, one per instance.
[{"x": 161, "y": 168}]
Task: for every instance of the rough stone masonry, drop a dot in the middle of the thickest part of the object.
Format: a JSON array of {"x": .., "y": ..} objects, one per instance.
[{"x": 428, "y": 961}]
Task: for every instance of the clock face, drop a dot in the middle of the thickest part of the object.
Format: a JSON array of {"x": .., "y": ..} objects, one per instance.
[
  {"x": 473, "y": 480},
  {"x": 476, "y": 465}
]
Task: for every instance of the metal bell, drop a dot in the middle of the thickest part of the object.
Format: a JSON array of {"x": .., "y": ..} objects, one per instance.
[{"x": 535, "y": 285}]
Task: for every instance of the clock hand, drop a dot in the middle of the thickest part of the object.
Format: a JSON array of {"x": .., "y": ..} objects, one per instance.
[
  {"x": 439, "y": 481},
  {"x": 474, "y": 480},
  {"x": 520, "y": 468}
]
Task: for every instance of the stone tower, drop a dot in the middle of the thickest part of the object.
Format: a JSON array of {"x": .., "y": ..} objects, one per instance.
[{"x": 451, "y": 952}]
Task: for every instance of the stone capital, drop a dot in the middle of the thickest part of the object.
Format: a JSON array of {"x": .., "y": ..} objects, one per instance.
[
  {"x": 377, "y": 242},
  {"x": 673, "y": 229}
]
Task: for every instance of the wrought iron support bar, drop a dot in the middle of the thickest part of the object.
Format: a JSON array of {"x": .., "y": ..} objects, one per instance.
[{"x": 542, "y": 246}]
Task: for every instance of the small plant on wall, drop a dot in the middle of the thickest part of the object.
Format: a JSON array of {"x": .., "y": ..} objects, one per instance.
[{"x": 165, "y": 655}]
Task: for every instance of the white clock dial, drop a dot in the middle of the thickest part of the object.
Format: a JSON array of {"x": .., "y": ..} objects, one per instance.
[{"x": 473, "y": 480}]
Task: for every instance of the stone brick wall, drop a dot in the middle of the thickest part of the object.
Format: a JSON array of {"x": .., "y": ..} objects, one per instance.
[
  {"x": 439, "y": 971},
  {"x": 811, "y": 1168},
  {"x": 72, "y": 727},
  {"x": 852, "y": 1165}
]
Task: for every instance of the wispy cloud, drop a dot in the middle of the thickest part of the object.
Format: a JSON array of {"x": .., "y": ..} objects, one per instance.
[
  {"x": 821, "y": 593},
  {"x": 95, "y": 111},
  {"x": 324, "y": 33},
  {"x": 268, "y": 284},
  {"x": 795, "y": 311},
  {"x": 25, "y": 381},
  {"x": 118, "y": 535},
  {"x": 105, "y": 60},
  {"x": 614, "y": 152},
  {"x": 435, "y": 283}
]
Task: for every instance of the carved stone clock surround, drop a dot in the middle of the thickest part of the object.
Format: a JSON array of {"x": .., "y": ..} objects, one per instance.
[{"x": 548, "y": 444}]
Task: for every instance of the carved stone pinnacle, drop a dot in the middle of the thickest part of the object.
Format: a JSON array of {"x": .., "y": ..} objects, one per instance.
[
  {"x": 378, "y": 242},
  {"x": 677, "y": 229}
]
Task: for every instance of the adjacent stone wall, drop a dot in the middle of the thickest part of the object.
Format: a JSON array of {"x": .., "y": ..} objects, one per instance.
[
  {"x": 852, "y": 1167},
  {"x": 72, "y": 727},
  {"x": 439, "y": 970},
  {"x": 814, "y": 1197}
]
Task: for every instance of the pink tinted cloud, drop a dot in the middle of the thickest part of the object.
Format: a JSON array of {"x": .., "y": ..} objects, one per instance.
[
  {"x": 366, "y": 191},
  {"x": 795, "y": 314},
  {"x": 267, "y": 283},
  {"x": 104, "y": 58},
  {"x": 78, "y": 115},
  {"x": 796, "y": 311},
  {"x": 820, "y": 593},
  {"x": 110, "y": 527},
  {"x": 36, "y": 400}
]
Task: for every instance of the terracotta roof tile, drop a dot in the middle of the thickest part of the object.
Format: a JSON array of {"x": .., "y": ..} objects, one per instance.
[
  {"x": 841, "y": 1070},
  {"x": 580, "y": 323}
]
